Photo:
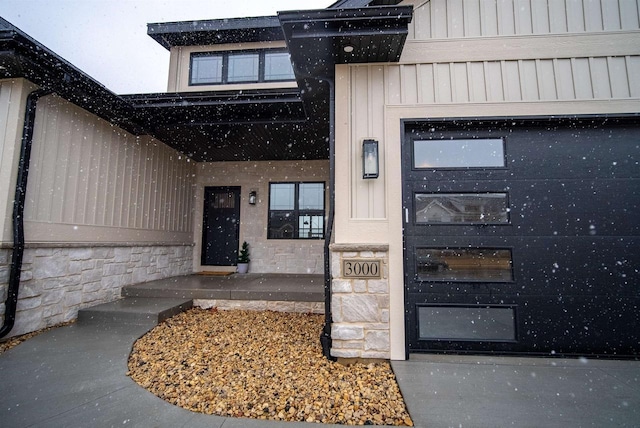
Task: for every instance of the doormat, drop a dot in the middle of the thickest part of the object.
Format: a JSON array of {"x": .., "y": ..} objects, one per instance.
[{"x": 212, "y": 273}]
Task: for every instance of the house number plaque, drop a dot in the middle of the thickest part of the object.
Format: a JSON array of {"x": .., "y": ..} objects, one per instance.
[{"x": 361, "y": 268}]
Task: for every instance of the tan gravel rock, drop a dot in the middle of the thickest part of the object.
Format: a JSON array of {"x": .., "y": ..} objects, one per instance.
[{"x": 262, "y": 365}]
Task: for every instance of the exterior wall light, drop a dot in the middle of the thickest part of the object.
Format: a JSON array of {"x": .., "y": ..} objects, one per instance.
[
  {"x": 370, "y": 163},
  {"x": 253, "y": 197},
  {"x": 348, "y": 48}
]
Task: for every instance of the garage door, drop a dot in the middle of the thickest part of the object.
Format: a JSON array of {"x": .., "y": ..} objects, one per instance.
[{"x": 522, "y": 236}]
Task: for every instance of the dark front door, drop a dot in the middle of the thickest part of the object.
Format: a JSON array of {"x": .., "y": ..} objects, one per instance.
[
  {"x": 221, "y": 226},
  {"x": 522, "y": 236}
]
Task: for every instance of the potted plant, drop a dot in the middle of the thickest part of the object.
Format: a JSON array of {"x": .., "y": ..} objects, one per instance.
[{"x": 243, "y": 258}]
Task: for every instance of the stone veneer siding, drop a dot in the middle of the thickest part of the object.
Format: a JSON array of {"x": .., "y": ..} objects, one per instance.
[
  {"x": 261, "y": 305},
  {"x": 58, "y": 281},
  {"x": 360, "y": 308}
]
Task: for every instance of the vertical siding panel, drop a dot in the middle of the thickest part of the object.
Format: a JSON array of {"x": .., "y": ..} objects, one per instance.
[
  {"x": 633, "y": 71},
  {"x": 611, "y": 15},
  {"x": 48, "y": 180},
  {"x": 575, "y": 16},
  {"x": 439, "y": 20},
  {"x": 512, "y": 83},
  {"x": 148, "y": 184},
  {"x": 421, "y": 22},
  {"x": 522, "y": 13},
  {"x": 409, "y": 84},
  {"x": 489, "y": 18},
  {"x": 546, "y": 80},
  {"x": 564, "y": 75},
  {"x": 443, "y": 83},
  {"x": 477, "y": 88},
  {"x": 600, "y": 78},
  {"x": 141, "y": 182},
  {"x": 471, "y": 11},
  {"x": 506, "y": 18},
  {"x": 37, "y": 156},
  {"x": 530, "y": 83},
  {"x": 361, "y": 114},
  {"x": 83, "y": 173},
  {"x": 111, "y": 161},
  {"x": 629, "y": 19},
  {"x": 154, "y": 212},
  {"x": 618, "y": 75},
  {"x": 593, "y": 15},
  {"x": 162, "y": 180},
  {"x": 61, "y": 162},
  {"x": 539, "y": 17},
  {"x": 427, "y": 84},
  {"x": 110, "y": 139},
  {"x": 135, "y": 181},
  {"x": 494, "y": 81},
  {"x": 393, "y": 85},
  {"x": 455, "y": 21},
  {"x": 119, "y": 163},
  {"x": 459, "y": 83},
  {"x": 73, "y": 171},
  {"x": 557, "y": 16},
  {"x": 582, "y": 78},
  {"x": 126, "y": 184}
]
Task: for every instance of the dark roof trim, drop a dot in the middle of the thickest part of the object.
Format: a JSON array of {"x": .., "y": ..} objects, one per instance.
[
  {"x": 354, "y": 4},
  {"x": 216, "y": 31},
  {"x": 23, "y": 57}
]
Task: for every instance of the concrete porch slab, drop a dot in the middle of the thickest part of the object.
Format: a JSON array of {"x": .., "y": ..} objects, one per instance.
[{"x": 252, "y": 286}]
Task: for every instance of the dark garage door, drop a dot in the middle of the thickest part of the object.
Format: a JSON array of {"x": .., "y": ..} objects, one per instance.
[{"x": 522, "y": 236}]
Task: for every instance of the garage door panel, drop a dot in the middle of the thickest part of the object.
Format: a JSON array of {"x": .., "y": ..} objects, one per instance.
[
  {"x": 571, "y": 239},
  {"x": 545, "y": 207},
  {"x": 575, "y": 324}
]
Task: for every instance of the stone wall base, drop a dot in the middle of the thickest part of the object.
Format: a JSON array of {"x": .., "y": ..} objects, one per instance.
[
  {"x": 360, "y": 307},
  {"x": 58, "y": 281},
  {"x": 261, "y": 305}
]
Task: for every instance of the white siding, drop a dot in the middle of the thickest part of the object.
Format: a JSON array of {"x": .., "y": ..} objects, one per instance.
[
  {"x": 440, "y": 19},
  {"x": 87, "y": 172}
]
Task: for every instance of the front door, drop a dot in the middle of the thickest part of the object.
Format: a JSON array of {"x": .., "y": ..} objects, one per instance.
[{"x": 221, "y": 226}]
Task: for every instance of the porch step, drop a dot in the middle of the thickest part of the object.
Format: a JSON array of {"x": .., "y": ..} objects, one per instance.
[{"x": 134, "y": 310}]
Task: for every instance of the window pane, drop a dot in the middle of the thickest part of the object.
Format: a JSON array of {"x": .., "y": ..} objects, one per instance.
[
  {"x": 461, "y": 208},
  {"x": 277, "y": 66},
  {"x": 206, "y": 69},
  {"x": 282, "y": 196},
  {"x": 310, "y": 226},
  {"x": 281, "y": 225},
  {"x": 460, "y": 323},
  {"x": 481, "y": 153},
  {"x": 464, "y": 264},
  {"x": 243, "y": 67},
  {"x": 311, "y": 196}
]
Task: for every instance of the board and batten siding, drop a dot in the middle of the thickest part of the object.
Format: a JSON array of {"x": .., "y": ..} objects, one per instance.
[
  {"x": 92, "y": 181},
  {"x": 439, "y": 19}
]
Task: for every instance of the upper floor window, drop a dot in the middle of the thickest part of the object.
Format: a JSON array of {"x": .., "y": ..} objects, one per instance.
[{"x": 215, "y": 68}]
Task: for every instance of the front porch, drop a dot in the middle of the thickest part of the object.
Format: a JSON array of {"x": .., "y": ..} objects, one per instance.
[{"x": 235, "y": 287}]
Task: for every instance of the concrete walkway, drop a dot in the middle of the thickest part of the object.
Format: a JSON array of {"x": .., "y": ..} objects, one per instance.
[{"x": 75, "y": 376}]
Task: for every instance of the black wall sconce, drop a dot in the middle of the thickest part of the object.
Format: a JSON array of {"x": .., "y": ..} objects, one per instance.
[
  {"x": 370, "y": 163},
  {"x": 253, "y": 197}
]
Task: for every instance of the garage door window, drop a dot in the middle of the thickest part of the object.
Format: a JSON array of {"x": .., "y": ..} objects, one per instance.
[
  {"x": 464, "y": 264},
  {"x": 461, "y": 208},
  {"x": 459, "y": 153}
]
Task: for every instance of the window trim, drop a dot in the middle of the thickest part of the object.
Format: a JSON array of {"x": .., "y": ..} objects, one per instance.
[
  {"x": 297, "y": 211},
  {"x": 225, "y": 66}
]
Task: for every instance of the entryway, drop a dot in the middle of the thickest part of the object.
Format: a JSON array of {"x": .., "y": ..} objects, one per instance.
[{"x": 221, "y": 226}]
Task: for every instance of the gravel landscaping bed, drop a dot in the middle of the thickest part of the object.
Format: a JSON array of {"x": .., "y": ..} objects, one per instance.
[{"x": 262, "y": 365}]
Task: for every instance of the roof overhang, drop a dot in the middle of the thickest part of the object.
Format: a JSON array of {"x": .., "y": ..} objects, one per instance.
[
  {"x": 216, "y": 31},
  {"x": 23, "y": 57},
  {"x": 232, "y": 125}
]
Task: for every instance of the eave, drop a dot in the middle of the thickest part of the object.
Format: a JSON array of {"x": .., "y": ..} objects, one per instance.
[{"x": 216, "y": 31}]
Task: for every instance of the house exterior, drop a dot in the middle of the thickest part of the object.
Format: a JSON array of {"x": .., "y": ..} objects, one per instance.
[{"x": 499, "y": 216}]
